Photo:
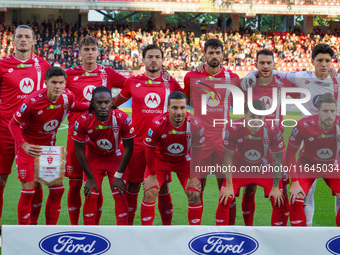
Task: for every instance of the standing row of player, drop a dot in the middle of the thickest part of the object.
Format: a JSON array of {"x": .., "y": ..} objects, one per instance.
[{"x": 167, "y": 140}]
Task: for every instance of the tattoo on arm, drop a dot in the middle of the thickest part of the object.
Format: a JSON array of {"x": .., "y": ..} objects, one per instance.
[
  {"x": 194, "y": 197},
  {"x": 277, "y": 174}
]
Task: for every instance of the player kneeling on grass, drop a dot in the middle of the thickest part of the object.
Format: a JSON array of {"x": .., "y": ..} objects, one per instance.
[
  {"x": 318, "y": 158},
  {"x": 102, "y": 132},
  {"x": 252, "y": 145},
  {"x": 169, "y": 141},
  {"x": 36, "y": 123}
]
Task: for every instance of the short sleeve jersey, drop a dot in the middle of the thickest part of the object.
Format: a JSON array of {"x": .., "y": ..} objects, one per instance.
[
  {"x": 149, "y": 100},
  {"x": 40, "y": 118},
  {"x": 101, "y": 135},
  {"x": 82, "y": 82},
  {"x": 18, "y": 79},
  {"x": 172, "y": 144}
]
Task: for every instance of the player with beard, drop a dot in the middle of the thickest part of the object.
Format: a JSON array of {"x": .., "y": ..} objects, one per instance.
[
  {"x": 36, "y": 123},
  {"x": 318, "y": 82},
  {"x": 203, "y": 83},
  {"x": 81, "y": 81},
  {"x": 102, "y": 133},
  {"x": 169, "y": 142},
  {"x": 21, "y": 74},
  {"x": 149, "y": 92}
]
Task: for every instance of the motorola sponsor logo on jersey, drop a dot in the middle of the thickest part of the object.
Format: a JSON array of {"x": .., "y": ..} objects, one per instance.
[
  {"x": 152, "y": 100},
  {"x": 26, "y": 86}
]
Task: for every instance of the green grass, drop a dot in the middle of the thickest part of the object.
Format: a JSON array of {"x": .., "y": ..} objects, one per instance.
[{"x": 324, "y": 201}]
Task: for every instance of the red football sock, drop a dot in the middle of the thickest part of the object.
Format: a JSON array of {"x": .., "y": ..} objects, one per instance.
[
  {"x": 165, "y": 208},
  {"x": 53, "y": 207},
  {"x": 338, "y": 218},
  {"x": 232, "y": 213},
  {"x": 24, "y": 206},
  {"x": 1, "y": 199},
  {"x": 222, "y": 213},
  {"x": 36, "y": 205},
  {"x": 90, "y": 209},
  {"x": 147, "y": 213},
  {"x": 297, "y": 214},
  {"x": 286, "y": 211},
  {"x": 277, "y": 214},
  {"x": 99, "y": 208},
  {"x": 132, "y": 199},
  {"x": 121, "y": 208},
  {"x": 74, "y": 200},
  {"x": 248, "y": 209},
  {"x": 195, "y": 214}
]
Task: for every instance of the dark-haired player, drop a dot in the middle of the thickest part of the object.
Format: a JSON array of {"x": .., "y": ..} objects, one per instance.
[
  {"x": 102, "y": 131},
  {"x": 36, "y": 123}
]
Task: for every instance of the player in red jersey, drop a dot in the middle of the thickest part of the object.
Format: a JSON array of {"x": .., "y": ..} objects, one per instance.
[
  {"x": 252, "y": 143},
  {"x": 318, "y": 158},
  {"x": 102, "y": 133},
  {"x": 81, "y": 81},
  {"x": 169, "y": 140},
  {"x": 149, "y": 92},
  {"x": 263, "y": 90},
  {"x": 197, "y": 84},
  {"x": 36, "y": 123},
  {"x": 20, "y": 75}
]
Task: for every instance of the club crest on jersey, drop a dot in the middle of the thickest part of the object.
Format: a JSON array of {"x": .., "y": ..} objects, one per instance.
[
  {"x": 49, "y": 159},
  {"x": 26, "y": 85},
  {"x": 253, "y": 155},
  {"x": 51, "y": 107},
  {"x": 152, "y": 100},
  {"x": 265, "y": 141},
  {"x": 175, "y": 148},
  {"x": 22, "y": 65},
  {"x": 104, "y": 144},
  {"x": 23, "y": 108},
  {"x": 324, "y": 153},
  {"x": 87, "y": 92},
  {"x": 188, "y": 135},
  {"x": 89, "y": 74},
  {"x": 22, "y": 174},
  {"x": 51, "y": 125}
]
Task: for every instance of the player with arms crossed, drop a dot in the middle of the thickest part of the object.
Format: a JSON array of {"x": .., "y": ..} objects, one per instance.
[
  {"x": 198, "y": 83},
  {"x": 320, "y": 136},
  {"x": 149, "y": 92},
  {"x": 318, "y": 82},
  {"x": 21, "y": 74},
  {"x": 36, "y": 123},
  {"x": 169, "y": 141},
  {"x": 81, "y": 81},
  {"x": 254, "y": 143},
  {"x": 102, "y": 133}
]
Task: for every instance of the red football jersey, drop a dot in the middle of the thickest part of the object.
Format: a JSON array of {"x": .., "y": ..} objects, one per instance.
[
  {"x": 149, "y": 100},
  {"x": 103, "y": 137},
  {"x": 82, "y": 82},
  {"x": 18, "y": 79},
  {"x": 173, "y": 143},
  {"x": 264, "y": 92},
  {"x": 250, "y": 148},
  {"x": 319, "y": 146},
  {"x": 40, "y": 118},
  {"x": 197, "y": 84}
]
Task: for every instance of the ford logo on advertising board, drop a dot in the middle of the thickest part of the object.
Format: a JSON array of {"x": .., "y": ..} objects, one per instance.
[
  {"x": 223, "y": 243},
  {"x": 333, "y": 245},
  {"x": 74, "y": 242}
]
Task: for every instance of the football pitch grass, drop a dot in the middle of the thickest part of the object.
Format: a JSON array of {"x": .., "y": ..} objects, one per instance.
[{"x": 324, "y": 201}]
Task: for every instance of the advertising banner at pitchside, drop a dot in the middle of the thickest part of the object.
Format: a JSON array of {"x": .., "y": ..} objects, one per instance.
[{"x": 168, "y": 240}]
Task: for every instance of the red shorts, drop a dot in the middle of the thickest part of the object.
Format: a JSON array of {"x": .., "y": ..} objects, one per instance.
[
  {"x": 212, "y": 157},
  {"x": 265, "y": 183},
  {"x": 7, "y": 152},
  {"x": 164, "y": 169},
  {"x": 137, "y": 164},
  {"x": 102, "y": 165},
  {"x": 73, "y": 169},
  {"x": 333, "y": 183},
  {"x": 25, "y": 165}
]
